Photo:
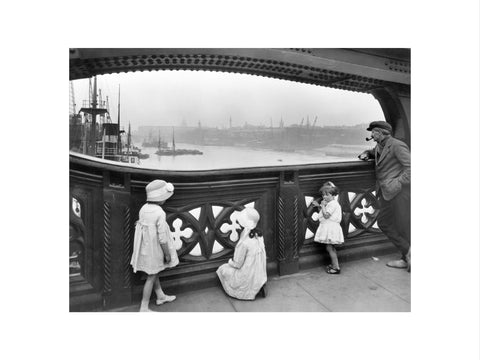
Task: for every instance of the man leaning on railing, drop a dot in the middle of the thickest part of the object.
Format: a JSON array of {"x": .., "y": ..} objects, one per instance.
[{"x": 392, "y": 170}]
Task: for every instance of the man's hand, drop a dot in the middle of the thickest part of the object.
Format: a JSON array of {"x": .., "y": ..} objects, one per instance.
[{"x": 363, "y": 156}]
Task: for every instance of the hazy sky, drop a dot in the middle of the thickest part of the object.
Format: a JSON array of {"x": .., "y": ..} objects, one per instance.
[{"x": 168, "y": 97}]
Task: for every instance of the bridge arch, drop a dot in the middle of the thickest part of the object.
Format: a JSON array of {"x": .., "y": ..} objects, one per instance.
[{"x": 384, "y": 73}]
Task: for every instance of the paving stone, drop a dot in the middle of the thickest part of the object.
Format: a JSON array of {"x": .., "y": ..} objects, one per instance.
[
  {"x": 363, "y": 285},
  {"x": 351, "y": 291},
  {"x": 205, "y": 300},
  {"x": 283, "y": 295},
  {"x": 396, "y": 281}
]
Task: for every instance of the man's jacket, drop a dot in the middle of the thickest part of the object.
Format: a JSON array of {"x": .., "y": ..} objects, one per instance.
[{"x": 392, "y": 167}]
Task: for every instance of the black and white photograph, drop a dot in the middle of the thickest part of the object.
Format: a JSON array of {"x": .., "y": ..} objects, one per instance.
[{"x": 241, "y": 179}]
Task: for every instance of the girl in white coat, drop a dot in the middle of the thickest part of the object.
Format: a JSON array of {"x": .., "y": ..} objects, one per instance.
[
  {"x": 329, "y": 231},
  {"x": 153, "y": 249}
]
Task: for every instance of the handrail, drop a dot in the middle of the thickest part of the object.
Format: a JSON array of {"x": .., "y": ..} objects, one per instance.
[{"x": 96, "y": 163}]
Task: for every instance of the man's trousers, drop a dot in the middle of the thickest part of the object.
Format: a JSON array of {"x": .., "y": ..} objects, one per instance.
[{"x": 394, "y": 220}]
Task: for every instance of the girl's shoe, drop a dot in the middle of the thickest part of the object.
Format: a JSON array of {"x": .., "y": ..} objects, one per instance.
[
  {"x": 166, "y": 299},
  {"x": 397, "y": 264},
  {"x": 333, "y": 271}
]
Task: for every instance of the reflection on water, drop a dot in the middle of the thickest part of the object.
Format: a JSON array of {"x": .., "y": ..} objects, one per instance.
[{"x": 222, "y": 157}]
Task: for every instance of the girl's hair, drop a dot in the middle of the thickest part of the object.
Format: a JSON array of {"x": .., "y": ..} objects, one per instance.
[
  {"x": 255, "y": 233},
  {"x": 329, "y": 188}
]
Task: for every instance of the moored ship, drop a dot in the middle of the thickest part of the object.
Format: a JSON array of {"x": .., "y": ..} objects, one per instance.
[
  {"x": 173, "y": 151},
  {"x": 104, "y": 139}
]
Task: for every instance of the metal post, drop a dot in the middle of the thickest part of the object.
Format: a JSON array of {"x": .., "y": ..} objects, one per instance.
[
  {"x": 119, "y": 139},
  {"x": 93, "y": 133},
  {"x": 103, "y": 144}
]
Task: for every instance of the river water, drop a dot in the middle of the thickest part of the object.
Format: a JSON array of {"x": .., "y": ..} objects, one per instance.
[{"x": 225, "y": 157}]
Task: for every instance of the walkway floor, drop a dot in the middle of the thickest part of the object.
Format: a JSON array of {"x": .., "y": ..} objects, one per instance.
[{"x": 363, "y": 285}]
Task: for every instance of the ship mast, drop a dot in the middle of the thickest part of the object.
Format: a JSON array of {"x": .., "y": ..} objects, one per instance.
[
  {"x": 119, "y": 139},
  {"x": 173, "y": 140},
  {"x": 92, "y": 108},
  {"x": 93, "y": 130},
  {"x": 72, "y": 99},
  {"x": 129, "y": 139}
]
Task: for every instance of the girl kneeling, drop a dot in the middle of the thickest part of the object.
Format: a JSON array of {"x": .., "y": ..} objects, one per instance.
[{"x": 244, "y": 276}]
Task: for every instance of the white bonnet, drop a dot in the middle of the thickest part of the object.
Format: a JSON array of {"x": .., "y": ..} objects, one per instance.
[
  {"x": 248, "y": 218},
  {"x": 159, "y": 190}
]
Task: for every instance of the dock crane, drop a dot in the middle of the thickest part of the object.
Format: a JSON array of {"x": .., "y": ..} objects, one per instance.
[{"x": 72, "y": 99}]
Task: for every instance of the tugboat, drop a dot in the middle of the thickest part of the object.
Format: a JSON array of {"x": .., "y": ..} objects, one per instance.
[
  {"x": 132, "y": 151},
  {"x": 138, "y": 152}
]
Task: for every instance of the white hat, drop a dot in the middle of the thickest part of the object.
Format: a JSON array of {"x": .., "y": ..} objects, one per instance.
[
  {"x": 248, "y": 218},
  {"x": 159, "y": 190}
]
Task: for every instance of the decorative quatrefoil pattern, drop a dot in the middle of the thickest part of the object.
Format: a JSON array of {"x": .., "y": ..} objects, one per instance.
[
  {"x": 76, "y": 207},
  {"x": 360, "y": 212},
  {"x": 207, "y": 231}
]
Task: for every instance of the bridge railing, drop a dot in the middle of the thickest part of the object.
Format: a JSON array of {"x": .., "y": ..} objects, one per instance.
[{"x": 105, "y": 199}]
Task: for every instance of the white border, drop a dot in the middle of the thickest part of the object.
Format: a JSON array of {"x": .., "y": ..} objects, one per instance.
[{"x": 444, "y": 37}]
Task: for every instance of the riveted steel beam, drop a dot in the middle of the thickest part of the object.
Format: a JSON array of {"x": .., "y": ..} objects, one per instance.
[{"x": 348, "y": 69}]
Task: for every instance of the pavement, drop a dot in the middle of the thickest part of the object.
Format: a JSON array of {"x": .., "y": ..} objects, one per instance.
[{"x": 365, "y": 285}]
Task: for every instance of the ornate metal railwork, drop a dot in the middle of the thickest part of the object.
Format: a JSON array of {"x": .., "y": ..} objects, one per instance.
[
  {"x": 82, "y": 276},
  {"x": 206, "y": 231},
  {"x": 364, "y": 208},
  {"x": 76, "y": 208},
  {"x": 127, "y": 247},
  {"x": 76, "y": 241},
  {"x": 107, "y": 248},
  {"x": 202, "y": 217}
]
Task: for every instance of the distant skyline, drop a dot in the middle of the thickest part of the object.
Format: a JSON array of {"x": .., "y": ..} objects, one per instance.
[{"x": 174, "y": 97}]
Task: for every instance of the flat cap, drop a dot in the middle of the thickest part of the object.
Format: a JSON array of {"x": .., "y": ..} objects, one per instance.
[{"x": 380, "y": 124}]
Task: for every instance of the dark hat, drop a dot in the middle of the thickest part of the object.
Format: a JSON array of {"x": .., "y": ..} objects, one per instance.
[{"x": 380, "y": 124}]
